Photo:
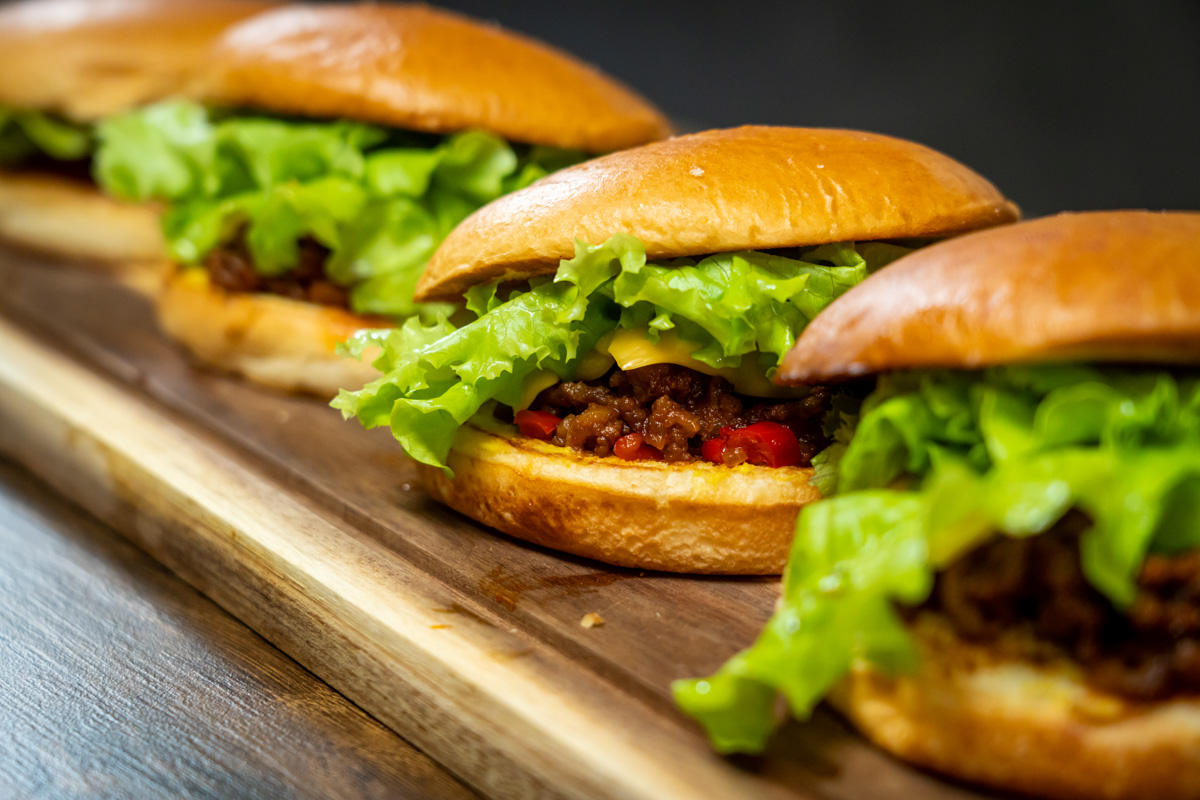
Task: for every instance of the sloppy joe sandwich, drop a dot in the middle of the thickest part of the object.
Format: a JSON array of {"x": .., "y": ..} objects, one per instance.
[
  {"x": 611, "y": 395},
  {"x": 1005, "y": 585},
  {"x": 67, "y": 64},
  {"x": 335, "y": 146}
]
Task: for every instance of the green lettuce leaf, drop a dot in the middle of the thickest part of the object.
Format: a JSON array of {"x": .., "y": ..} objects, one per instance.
[
  {"x": 731, "y": 305},
  {"x": 381, "y": 200},
  {"x": 24, "y": 134},
  {"x": 932, "y": 465}
]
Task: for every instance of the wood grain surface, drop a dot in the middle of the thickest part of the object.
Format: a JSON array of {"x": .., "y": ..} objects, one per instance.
[
  {"x": 119, "y": 680},
  {"x": 308, "y": 529}
]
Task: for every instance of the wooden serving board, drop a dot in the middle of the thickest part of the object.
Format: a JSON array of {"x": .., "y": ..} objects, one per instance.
[{"x": 312, "y": 531}]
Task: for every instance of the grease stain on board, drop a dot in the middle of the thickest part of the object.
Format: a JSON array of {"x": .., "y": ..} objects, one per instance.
[
  {"x": 455, "y": 608},
  {"x": 507, "y": 588}
]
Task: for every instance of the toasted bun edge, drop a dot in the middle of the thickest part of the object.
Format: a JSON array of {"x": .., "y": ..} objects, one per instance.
[
  {"x": 695, "y": 517},
  {"x": 979, "y": 714},
  {"x": 270, "y": 340}
]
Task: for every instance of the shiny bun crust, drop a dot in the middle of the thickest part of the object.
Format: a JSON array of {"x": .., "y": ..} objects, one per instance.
[
  {"x": 979, "y": 714},
  {"x": 72, "y": 219},
  {"x": 273, "y": 341},
  {"x": 698, "y": 518},
  {"x": 88, "y": 59},
  {"x": 415, "y": 67},
  {"x": 721, "y": 190},
  {"x": 1104, "y": 286}
]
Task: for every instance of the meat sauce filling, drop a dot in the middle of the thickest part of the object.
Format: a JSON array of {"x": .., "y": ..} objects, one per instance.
[
  {"x": 78, "y": 170},
  {"x": 1149, "y": 652},
  {"x": 674, "y": 411},
  {"x": 231, "y": 268}
]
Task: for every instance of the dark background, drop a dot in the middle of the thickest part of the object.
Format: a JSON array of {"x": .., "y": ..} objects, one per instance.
[{"x": 1064, "y": 105}]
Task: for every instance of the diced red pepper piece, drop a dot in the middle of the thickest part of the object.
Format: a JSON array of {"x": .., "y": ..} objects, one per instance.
[
  {"x": 633, "y": 447},
  {"x": 713, "y": 450},
  {"x": 768, "y": 444},
  {"x": 537, "y": 424}
]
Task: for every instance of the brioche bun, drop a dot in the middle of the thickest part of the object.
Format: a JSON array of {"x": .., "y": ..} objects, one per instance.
[
  {"x": 1101, "y": 286},
  {"x": 981, "y": 713},
  {"x": 717, "y": 191},
  {"x": 72, "y": 219},
  {"x": 415, "y": 67},
  {"x": 695, "y": 517},
  {"x": 87, "y": 59},
  {"x": 273, "y": 341}
]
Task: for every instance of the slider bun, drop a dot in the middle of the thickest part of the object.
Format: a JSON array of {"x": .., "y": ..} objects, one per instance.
[
  {"x": 273, "y": 341},
  {"x": 981, "y": 714},
  {"x": 1102, "y": 286},
  {"x": 88, "y": 59},
  {"x": 699, "y": 517},
  {"x": 71, "y": 219},
  {"x": 415, "y": 67},
  {"x": 716, "y": 191}
]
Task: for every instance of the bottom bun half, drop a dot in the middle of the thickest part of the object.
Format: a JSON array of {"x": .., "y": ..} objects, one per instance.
[
  {"x": 983, "y": 713},
  {"x": 271, "y": 340},
  {"x": 72, "y": 219},
  {"x": 694, "y": 517}
]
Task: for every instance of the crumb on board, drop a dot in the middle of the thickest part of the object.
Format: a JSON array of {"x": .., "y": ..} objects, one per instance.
[{"x": 591, "y": 620}]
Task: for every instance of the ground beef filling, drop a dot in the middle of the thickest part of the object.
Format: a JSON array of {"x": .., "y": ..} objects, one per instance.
[
  {"x": 78, "y": 170},
  {"x": 1150, "y": 652},
  {"x": 675, "y": 408},
  {"x": 232, "y": 268}
]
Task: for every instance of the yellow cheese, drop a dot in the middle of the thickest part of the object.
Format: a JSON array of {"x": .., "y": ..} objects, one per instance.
[
  {"x": 533, "y": 385},
  {"x": 590, "y": 367},
  {"x": 194, "y": 277},
  {"x": 597, "y": 362},
  {"x": 632, "y": 349}
]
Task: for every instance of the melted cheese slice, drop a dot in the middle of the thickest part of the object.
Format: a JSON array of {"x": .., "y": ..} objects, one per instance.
[
  {"x": 630, "y": 349},
  {"x": 534, "y": 385},
  {"x": 591, "y": 366}
]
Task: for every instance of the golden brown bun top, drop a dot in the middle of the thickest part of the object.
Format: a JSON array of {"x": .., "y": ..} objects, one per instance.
[
  {"x": 415, "y": 67},
  {"x": 1107, "y": 286},
  {"x": 90, "y": 58},
  {"x": 716, "y": 191}
]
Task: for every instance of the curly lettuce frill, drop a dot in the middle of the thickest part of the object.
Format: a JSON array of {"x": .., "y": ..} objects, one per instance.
[
  {"x": 733, "y": 306},
  {"x": 381, "y": 200}
]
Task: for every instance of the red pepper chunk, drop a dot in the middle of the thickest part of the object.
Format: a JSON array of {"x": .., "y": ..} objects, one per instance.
[
  {"x": 537, "y": 424},
  {"x": 633, "y": 447},
  {"x": 768, "y": 444},
  {"x": 713, "y": 450}
]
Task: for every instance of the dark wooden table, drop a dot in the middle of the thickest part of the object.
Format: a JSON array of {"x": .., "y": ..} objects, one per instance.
[
  {"x": 467, "y": 641},
  {"x": 119, "y": 680}
]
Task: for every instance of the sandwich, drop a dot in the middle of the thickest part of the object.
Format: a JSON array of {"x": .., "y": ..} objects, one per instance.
[
  {"x": 609, "y": 394},
  {"x": 332, "y": 148},
  {"x": 67, "y": 65},
  {"x": 1004, "y": 583}
]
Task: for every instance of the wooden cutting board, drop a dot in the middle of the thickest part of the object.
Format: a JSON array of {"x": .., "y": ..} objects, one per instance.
[{"x": 312, "y": 531}]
